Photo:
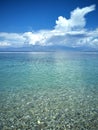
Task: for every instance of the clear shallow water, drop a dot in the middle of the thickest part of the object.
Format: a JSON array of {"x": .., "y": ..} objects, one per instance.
[{"x": 49, "y": 91}]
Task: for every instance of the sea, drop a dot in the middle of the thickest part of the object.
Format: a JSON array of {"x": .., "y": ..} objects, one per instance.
[{"x": 49, "y": 90}]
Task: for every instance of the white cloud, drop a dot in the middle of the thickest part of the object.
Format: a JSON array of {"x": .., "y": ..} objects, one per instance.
[
  {"x": 77, "y": 16},
  {"x": 12, "y": 39},
  {"x": 4, "y": 43},
  {"x": 32, "y": 38},
  {"x": 69, "y": 32},
  {"x": 76, "y": 21}
]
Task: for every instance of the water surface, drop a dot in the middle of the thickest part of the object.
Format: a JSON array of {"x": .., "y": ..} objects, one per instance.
[{"x": 49, "y": 91}]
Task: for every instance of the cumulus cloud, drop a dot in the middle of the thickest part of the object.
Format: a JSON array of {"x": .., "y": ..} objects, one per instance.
[
  {"x": 4, "y": 43},
  {"x": 11, "y": 39},
  {"x": 69, "y": 32},
  {"x": 76, "y": 21}
]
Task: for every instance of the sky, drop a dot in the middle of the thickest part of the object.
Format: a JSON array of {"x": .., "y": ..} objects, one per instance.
[{"x": 72, "y": 23}]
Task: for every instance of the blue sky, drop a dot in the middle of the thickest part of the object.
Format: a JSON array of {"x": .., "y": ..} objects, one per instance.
[{"x": 44, "y": 22}]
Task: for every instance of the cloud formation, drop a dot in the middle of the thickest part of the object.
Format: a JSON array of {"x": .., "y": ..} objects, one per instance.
[
  {"x": 77, "y": 20},
  {"x": 69, "y": 32}
]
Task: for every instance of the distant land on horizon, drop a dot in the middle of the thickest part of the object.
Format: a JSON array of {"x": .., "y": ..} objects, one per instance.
[{"x": 38, "y": 48}]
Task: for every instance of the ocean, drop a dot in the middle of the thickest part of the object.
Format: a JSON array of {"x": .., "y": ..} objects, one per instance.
[{"x": 48, "y": 90}]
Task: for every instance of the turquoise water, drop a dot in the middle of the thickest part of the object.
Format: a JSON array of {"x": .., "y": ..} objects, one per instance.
[{"x": 49, "y": 91}]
